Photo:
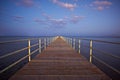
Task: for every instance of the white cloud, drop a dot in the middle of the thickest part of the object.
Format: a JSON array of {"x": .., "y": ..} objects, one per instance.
[
  {"x": 101, "y": 5},
  {"x": 65, "y": 5},
  {"x": 25, "y": 3},
  {"x": 76, "y": 19},
  {"x": 60, "y": 22}
]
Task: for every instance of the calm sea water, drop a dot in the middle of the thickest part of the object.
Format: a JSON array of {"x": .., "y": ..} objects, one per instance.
[
  {"x": 113, "y": 49},
  {"x": 11, "y": 47},
  {"x": 109, "y": 48}
]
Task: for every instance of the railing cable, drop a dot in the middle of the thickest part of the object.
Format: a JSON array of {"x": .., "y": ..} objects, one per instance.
[
  {"x": 106, "y": 64},
  {"x": 11, "y": 53},
  {"x": 13, "y": 64}
]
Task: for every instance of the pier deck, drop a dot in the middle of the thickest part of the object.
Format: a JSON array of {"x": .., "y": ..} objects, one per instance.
[{"x": 59, "y": 62}]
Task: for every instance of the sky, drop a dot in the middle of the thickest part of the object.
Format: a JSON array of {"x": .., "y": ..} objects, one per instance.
[{"x": 59, "y": 17}]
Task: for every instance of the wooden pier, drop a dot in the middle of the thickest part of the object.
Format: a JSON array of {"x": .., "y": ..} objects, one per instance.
[{"x": 59, "y": 62}]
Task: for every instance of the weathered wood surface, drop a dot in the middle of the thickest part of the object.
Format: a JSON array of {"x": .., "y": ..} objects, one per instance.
[{"x": 59, "y": 62}]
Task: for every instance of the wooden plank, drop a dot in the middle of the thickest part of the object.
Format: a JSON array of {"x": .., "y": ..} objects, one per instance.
[{"x": 59, "y": 62}]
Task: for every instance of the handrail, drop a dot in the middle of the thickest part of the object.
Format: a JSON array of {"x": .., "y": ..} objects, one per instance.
[
  {"x": 107, "y": 65},
  {"x": 21, "y": 40},
  {"x": 13, "y": 64},
  {"x": 34, "y": 51},
  {"x": 39, "y": 44},
  {"x": 118, "y": 43},
  {"x": 107, "y": 42},
  {"x": 103, "y": 52},
  {"x": 34, "y": 45},
  {"x": 109, "y": 54},
  {"x": 14, "y": 52},
  {"x": 11, "y": 41},
  {"x": 72, "y": 42}
]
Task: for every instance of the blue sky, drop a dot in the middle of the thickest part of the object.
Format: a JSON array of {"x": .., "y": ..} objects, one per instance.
[{"x": 60, "y": 17}]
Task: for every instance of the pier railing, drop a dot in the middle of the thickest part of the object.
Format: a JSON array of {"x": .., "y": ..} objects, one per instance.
[
  {"x": 77, "y": 41},
  {"x": 42, "y": 43}
]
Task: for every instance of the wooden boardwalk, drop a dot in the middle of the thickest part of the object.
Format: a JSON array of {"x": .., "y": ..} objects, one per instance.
[{"x": 59, "y": 62}]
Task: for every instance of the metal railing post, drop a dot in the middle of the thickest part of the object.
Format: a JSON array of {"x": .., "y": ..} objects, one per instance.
[
  {"x": 39, "y": 45},
  {"x": 71, "y": 42},
  {"x": 45, "y": 43},
  {"x": 79, "y": 46},
  {"x": 90, "y": 51},
  {"x": 29, "y": 54},
  {"x": 48, "y": 41},
  {"x": 68, "y": 40}
]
